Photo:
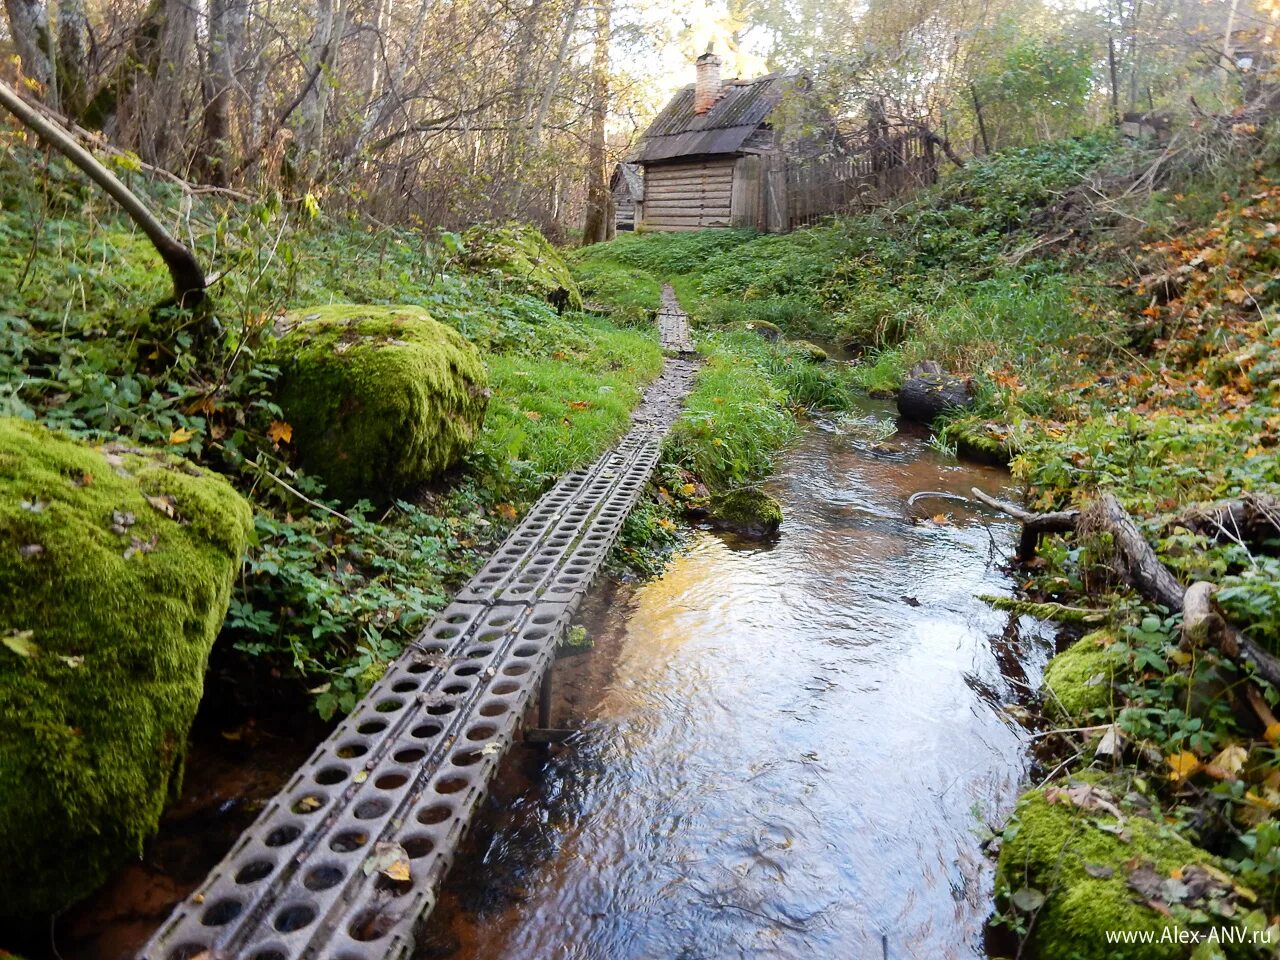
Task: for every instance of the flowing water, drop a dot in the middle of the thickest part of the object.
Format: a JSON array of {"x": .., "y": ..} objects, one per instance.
[{"x": 798, "y": 749}]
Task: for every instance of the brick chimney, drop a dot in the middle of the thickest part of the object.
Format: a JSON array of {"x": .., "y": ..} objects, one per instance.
[{"x": 707, "y": 90}]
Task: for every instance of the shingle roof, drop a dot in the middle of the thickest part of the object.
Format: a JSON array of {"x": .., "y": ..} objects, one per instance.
[{"x": 743, "y": 105}]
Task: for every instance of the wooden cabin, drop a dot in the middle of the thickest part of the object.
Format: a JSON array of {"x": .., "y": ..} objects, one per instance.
[
  {"x": 627, "y": 189},
  {"x": 713, "y": 158}
]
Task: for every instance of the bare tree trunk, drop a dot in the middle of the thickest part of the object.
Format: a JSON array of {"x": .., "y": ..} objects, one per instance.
[
  {"x": 29, "y": 25},
  {"x": 595, "y": 226},
  {"x": 73, "y": 56},
  {"x": 381, "y": 105},
  {"x": 552, "y": 83},
  {"x": 184, "y": 269},
  {"x": 227, "y": 19},
  {"x": 322, "y": 56}
]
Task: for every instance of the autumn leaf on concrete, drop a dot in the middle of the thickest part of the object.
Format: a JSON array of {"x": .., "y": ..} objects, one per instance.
[
  {"x": 389, "y": 859},
  {"x": 280, "y": 432}
]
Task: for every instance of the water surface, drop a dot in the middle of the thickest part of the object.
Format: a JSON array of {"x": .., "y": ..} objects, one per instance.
[{"x": 798, "y": 750}]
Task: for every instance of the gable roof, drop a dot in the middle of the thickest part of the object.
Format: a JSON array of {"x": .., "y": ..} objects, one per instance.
[
  {"x": 632, "y": 176},
  {"x": 742, "y": 106}
]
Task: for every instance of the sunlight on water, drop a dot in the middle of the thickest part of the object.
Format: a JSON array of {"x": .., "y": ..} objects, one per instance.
[{"x": 800, "y": 749}]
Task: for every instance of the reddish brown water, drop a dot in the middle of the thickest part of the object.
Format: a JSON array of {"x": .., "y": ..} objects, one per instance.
[{"x": 796, "y": 751}]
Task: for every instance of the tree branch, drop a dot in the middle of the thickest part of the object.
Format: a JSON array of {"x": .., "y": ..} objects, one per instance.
[{"x": 185, "y": 271}]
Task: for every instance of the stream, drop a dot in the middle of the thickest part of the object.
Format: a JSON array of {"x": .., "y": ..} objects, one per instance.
[{"x": 790, "y": 749}]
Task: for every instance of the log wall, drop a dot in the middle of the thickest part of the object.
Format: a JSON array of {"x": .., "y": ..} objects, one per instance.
[{"x": 688, "y": 196}]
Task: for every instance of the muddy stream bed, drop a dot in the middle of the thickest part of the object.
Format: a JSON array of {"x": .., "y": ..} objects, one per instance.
[{"x": 789, "y": 749}]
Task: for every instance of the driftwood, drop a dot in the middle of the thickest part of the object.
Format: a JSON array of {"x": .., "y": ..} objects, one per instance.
[
  {"x": 1202, "y": 624},
  {"x": 925, "y": 397},
  {"x": 185, "y": 271},
  {"x": 1137, "y": 560}
]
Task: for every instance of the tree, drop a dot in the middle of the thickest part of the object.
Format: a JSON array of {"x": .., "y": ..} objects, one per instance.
[
  {"x": 184, "y": 269},
  {"x": 29, "y": 24},
  {"x": 596, "y": 224}
]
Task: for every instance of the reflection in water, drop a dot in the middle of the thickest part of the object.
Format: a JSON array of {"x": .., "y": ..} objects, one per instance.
[{"x": 799, "y": 749}]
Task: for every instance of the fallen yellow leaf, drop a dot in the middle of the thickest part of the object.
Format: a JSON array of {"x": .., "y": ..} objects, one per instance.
[
  {"x": 181, "y": 435},
  {"x": 1182, "y": 765},
  {"x": 280, "y": 432},
  {"x": 1272, "y": 733}
]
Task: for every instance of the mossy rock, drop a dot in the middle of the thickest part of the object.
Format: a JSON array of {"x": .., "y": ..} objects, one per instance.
[
  {"x": 1082, "y": 861},
  {"x": 978, "y": 441},
  {"x": 380, "y": 399},
  {"x": 763, "y": 328},
  {"x": 524, "y": 258},
  {"x": 1078, "y": 680},
  {"x": 809, "y": 351},
  {"x": 748, "y": 511},
  {"x": 116, "y": 566}
]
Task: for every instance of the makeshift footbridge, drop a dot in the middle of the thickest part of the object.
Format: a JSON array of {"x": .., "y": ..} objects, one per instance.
[{"x": 345, "y": 862}]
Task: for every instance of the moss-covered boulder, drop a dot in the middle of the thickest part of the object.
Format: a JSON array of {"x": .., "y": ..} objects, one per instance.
[
  {"x": 809, "y": 351},
  {"x": 1077, "y": 860},
  {"x": 763, "y": 328},
  {"x": 380, "y": 399},
  {"x": 981, "y": 441},
  {"x": 525, "y": 259},
  {"x": 748, "y": 511},
  {"x": 1079, "y": 679},
  {"x": 115, "y": 571}
]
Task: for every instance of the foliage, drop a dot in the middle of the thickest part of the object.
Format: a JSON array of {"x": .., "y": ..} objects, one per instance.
[
  {"x": 324, "y": 602},
  {"x": 115, "y": 573}
]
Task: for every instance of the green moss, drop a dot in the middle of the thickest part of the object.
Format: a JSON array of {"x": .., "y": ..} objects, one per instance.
[
  {"x": 747, "y": 510},
  {"x": 1081, "y": 858},
  {"x": 1078, "y": 680},
  {"x": 763, "y": 328},
  {"x": 380, "y": 398},
  {"x": 524, "y": 257},
  {"x": 810, "y": 351},
  {"x": 115, "y": 572},
  {"x": 978, "y": 440}
]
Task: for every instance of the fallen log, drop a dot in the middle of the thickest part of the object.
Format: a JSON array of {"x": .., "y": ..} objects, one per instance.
[
  {"x": 1138, "y": 561},
  {"x": 1252, "y": 519},
  {"x": 1202, "y": 624},
  {"x": 926, "y": 397}
]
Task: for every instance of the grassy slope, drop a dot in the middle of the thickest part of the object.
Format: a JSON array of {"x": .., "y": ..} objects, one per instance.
[
  {"x": 741, "y": 413},
  {"x": 322, "y": 600}
]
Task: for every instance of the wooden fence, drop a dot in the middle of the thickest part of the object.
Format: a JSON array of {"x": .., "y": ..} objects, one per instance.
[{"x": 877, "y": 166}]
